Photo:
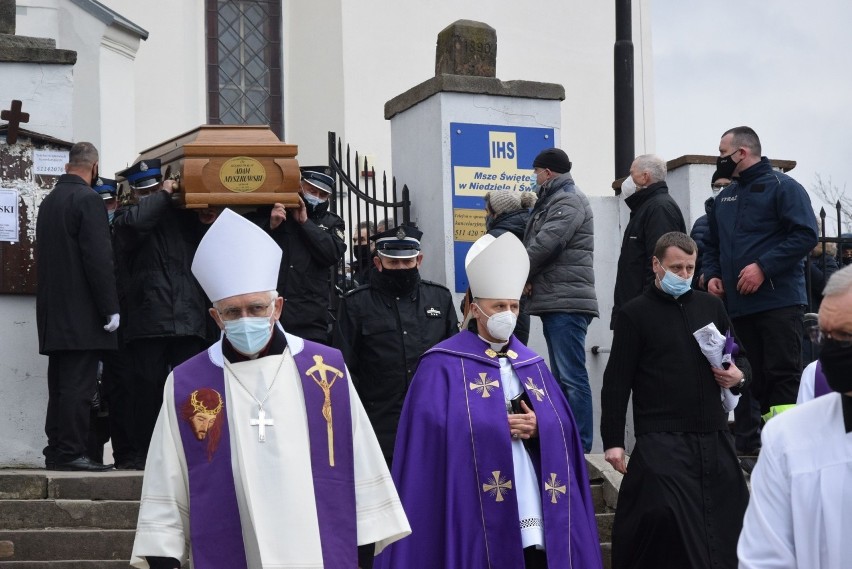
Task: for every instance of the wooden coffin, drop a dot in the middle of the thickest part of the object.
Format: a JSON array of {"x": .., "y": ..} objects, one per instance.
[{"x": 229, "y": 165}]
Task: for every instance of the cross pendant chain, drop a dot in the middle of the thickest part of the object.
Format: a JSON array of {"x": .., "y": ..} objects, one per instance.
[{"x": 261, "y": 423}]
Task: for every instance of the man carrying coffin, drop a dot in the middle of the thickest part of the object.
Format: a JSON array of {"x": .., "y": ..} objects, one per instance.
[
  {"x": 488, "y": 459},
  {"x": 262, "y": 455}
]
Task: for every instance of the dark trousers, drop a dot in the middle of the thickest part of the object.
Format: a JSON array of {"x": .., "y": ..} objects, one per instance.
[
  {"x": 118, "y": 380},
  {"x": 153, "y": 359},
  {"x": 773, "y": 345},
  {"x": 71, "y": 382}
]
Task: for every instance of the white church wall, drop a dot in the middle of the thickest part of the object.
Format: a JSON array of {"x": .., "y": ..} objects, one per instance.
[{"x": 36, "y": 85}]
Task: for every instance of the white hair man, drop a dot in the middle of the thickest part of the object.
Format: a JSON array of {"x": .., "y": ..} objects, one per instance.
[
  {"x": 304, "y": 456},
  {"x": 801, "y": 488}
]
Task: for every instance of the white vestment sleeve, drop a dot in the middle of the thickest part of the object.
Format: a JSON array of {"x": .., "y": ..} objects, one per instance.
[
  {"x": 766, "y": 540},
  {"x": 163, "y": 526},
  {"x": 806, "y": 385},
  {"x": 379, "y": 510}
]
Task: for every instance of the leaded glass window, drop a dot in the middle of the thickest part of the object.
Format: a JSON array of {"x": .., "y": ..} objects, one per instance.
[{"x": 244, "y": 62}]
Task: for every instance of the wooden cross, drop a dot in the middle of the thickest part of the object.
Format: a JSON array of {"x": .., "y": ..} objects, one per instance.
[
  {"x": 484, "y": 384},
  {"x": 15, "y": 118},
  {"x": 496, "y": 485},
  {"x": 554, "y": 487},
  {"x": 261, "y": 423}
]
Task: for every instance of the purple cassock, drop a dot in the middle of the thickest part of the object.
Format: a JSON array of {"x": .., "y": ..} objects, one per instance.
[{"x": 454, "y": 472}]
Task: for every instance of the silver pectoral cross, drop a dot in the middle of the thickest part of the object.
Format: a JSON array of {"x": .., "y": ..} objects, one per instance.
[{"x": 261, "y": 422}]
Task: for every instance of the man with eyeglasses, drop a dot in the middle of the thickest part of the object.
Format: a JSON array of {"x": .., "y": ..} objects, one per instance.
[
  {"x": 762, "y": 227},
  {"x": 801, "y": 488},
  {"x": 263, "y": 455}
]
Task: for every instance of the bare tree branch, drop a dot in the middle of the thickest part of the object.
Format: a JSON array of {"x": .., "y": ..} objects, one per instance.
[{"x": 832, "y": 195}]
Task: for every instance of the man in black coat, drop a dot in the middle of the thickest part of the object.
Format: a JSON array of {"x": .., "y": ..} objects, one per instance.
[
  {"x": 76, "y": 305},
  {"x": 312, "y": 240},
  {"x": 653, "y": 212},
  {"x": 165, "y": 308},
  {"x": 385, "y": 326}
]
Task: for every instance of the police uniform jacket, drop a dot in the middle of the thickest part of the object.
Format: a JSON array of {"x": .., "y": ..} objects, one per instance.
[
  {"x": 156, "y": 243},
  {"x": 310, "y": 251},
  {"x": 382, "y": 337},
  {"x": 76, "y": 286}
]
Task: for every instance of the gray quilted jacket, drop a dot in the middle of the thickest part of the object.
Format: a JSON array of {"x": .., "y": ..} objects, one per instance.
[{"x": 559, "y": 238}]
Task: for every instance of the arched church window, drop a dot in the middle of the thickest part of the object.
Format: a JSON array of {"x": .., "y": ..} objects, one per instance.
[{"x": 244, "y": 63}]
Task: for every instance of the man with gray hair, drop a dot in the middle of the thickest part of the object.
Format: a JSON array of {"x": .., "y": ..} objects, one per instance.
[
  {"x": 801, "y": 488},
  {"x": 653, "y": 212},
  {"x": 76, "y": 305}
]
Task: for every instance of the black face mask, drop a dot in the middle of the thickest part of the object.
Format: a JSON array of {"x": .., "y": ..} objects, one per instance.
[
  {"x": 837, "y": 365},
  {"x": 397, "y": 281},
  {"x": 725, "y": 166}
]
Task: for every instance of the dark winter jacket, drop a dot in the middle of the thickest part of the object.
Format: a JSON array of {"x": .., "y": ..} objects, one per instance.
[
  {"x": 700, "y": 230},
  {"x": 762, "y": 217},
  {"x": 157, "y": 242},
  {"x": 76, "y": 293},
  {"x": 821, "y": 268},
  {"x": 560, "y": 241},
  {"x": 382, "y": 337},
  {"x": 310, "y": 251},
  {"x": 655, "y": 356},
  {"x": 653, "y": 212}
]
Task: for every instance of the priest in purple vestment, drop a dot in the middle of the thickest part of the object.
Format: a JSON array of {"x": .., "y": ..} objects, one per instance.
[{"x": 488, "y": 461}]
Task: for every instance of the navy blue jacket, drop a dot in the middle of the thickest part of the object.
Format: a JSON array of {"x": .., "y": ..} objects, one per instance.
[
  {"x": 765, "y": 217},
  {"x": 699, "y": 233}
]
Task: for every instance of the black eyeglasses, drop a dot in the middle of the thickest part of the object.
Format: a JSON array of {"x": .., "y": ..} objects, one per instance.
[{"x": 819, "y": 337}]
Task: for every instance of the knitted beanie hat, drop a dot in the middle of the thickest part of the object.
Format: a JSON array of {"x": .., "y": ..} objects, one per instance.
[
  {"x": 554, "y": 159},
  {"x": 506, "y": 201}
]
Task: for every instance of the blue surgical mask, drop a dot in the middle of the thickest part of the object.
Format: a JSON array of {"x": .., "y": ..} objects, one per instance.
[
  {"x": 534, "y": 183},
  {"x": 312, "y": 200},
  {"x": 674, "y": 285},
  {"x": 248, "y": 335}
]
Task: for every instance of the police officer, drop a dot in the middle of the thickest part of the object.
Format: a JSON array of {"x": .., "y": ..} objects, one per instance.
[
  {"x": 166, "y": 310},
  {"x": 312, "y": 239},
  {"x": 385, "y": 326}
]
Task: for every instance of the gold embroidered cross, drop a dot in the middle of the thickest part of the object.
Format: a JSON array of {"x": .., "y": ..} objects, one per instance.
[
  {"x": 484, "y": 384},
  {"x": 554, "y": 487},
  {"x": 323, "y": 369},
  {"x": 537, "y": 391},
  {"x": 496, "y": 485}
]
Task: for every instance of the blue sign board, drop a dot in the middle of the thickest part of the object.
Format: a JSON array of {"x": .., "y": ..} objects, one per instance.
[{"x": 487, "y": 157}]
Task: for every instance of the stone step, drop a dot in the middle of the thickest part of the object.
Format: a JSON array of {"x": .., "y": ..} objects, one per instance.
[
  {"x": 40, "y": 514},
  {"x": 606, "y": 553},
  {"x": 67, "y": 544},
  {"x": 598, "y": 497},
  {"x": 41, "y": 484},
  {"x": 605, "y": 526}
]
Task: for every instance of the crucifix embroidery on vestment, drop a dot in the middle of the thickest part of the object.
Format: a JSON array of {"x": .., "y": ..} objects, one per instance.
[{"x": 322, "y": 381}]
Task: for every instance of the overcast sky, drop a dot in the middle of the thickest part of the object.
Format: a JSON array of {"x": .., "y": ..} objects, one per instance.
[{"x": 782, "y": 67}]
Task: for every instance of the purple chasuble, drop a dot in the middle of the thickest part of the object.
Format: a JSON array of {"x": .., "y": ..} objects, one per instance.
[
  {"x": 454, "y": 470},
  {"x": 821, "y": 386},
  {"x": 215, "y": 529}
]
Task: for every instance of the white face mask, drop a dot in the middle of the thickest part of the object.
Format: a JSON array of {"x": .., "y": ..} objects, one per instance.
[
  {"x": 628, "y": 187},
  {"x": 500, "y": 325}
]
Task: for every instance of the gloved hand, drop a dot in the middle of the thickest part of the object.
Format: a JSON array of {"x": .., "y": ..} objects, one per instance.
[{"x": 112, "y": 325}]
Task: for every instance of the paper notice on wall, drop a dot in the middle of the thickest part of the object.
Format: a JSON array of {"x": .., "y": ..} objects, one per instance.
[
  {"x": 49, "y": 162},
  {"x": 9, "y": 229}
]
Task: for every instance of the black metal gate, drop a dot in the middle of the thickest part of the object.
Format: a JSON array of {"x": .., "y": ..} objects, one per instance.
[{"x": 361, "y": 204}]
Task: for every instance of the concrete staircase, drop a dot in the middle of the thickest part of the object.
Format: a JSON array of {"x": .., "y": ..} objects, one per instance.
[
  {"x": 67, "y": 520},
  {"x": 71, "y": 520}
]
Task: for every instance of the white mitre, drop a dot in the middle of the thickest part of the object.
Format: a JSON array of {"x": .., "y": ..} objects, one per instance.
[
  {"x": 497, "y": 267},
  {"x": 236, "y": 257}
]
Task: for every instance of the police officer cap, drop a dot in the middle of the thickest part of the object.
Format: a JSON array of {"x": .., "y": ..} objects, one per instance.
[
  {"x": 105, "y": 187},
  {"x": 143, "y": 174},
  {"x": 319, "y": 180},
  {"x": 401, "y": 242}
]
